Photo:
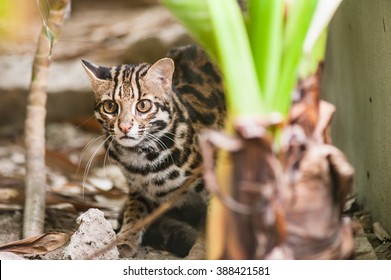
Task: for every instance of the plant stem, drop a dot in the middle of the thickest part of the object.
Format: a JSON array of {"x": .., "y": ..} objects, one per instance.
[{"x": 35, "y": 181}]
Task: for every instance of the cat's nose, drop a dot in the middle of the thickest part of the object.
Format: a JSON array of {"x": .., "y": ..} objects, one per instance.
[{"x": 125, "y": 127}]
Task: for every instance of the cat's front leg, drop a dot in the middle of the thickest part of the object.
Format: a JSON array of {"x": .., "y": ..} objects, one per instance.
[{"x": 130, "y": 235}]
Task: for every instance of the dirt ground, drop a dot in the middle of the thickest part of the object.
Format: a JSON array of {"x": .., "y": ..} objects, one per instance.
[{"x": 80, "y": 177}]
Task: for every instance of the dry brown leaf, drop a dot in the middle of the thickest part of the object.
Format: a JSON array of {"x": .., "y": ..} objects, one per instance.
[
  {"x": 61, "y": 162},
  {"x": 315, "y": 227},
  {"x": 7, "y": 194},
  {"x": 305, "y": 107},
  {"x": 311, "y": 114},
  {"x": 37, "y": 245},
  {"x": 11, "y": 190},
  {"x": 321, "y": 179},
  {"x": 383, "y": 251},
  {"x": 380, "y": 232}
]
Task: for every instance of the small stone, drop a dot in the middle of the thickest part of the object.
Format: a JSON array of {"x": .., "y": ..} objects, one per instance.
[{"x": 93, "y": 234}]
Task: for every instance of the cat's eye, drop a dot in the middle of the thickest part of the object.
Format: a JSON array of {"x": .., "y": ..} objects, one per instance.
[
  {"x": 110, "y": 106},
  {"x": 143, "y": 106}
]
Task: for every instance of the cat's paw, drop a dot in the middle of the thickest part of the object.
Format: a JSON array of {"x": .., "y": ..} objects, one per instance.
[
  {"x": 128, "y": 251},
  {"x": 129, "y": 245}
]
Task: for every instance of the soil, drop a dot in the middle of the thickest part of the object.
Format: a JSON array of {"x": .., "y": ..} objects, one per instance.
[{"x": 71, "y": 193}]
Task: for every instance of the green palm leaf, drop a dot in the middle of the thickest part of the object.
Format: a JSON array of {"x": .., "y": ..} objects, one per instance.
[
  {"x": 220, "y": 29},
  {"x": 260, "y": 64}
]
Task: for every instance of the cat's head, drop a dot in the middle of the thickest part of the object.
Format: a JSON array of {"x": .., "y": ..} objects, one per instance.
[{"x": 133, "y": 102}]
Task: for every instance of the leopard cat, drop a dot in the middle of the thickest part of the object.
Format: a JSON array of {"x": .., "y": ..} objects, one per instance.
[{"x": 151, "y": 115}]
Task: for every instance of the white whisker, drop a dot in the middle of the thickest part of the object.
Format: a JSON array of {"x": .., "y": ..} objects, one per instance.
[
  {"x": 89, "y": 163},
  {"x": 173, "y": 140},
  {"x": 83, "y": 152},
  {"x": 87, "y": 120},
  {"x": 159, "y": 142},
  {"x": 107, "y": 157}
]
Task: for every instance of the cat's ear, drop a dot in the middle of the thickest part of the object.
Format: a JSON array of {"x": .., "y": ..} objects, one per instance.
[
  {"x": 99, "y": 76},
  {"x": 162, "y": 71}
]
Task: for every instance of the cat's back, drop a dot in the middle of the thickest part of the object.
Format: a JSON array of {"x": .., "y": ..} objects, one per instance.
[{"x": 199, "y": 86}]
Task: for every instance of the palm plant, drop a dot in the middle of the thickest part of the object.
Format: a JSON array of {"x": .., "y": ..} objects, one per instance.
[
  {"x": 261, "y": 50},
  {"x": 262, "y": 55}
]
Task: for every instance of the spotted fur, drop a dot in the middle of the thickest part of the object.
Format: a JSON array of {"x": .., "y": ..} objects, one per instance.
[{"x": 151, "y": 115}]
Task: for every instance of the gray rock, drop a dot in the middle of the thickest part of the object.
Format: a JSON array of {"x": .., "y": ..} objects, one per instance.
[{"x": 94, "y": 233}]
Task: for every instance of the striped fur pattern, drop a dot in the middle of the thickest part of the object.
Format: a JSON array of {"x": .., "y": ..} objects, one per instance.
[{"x": 151, "y": 115}]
